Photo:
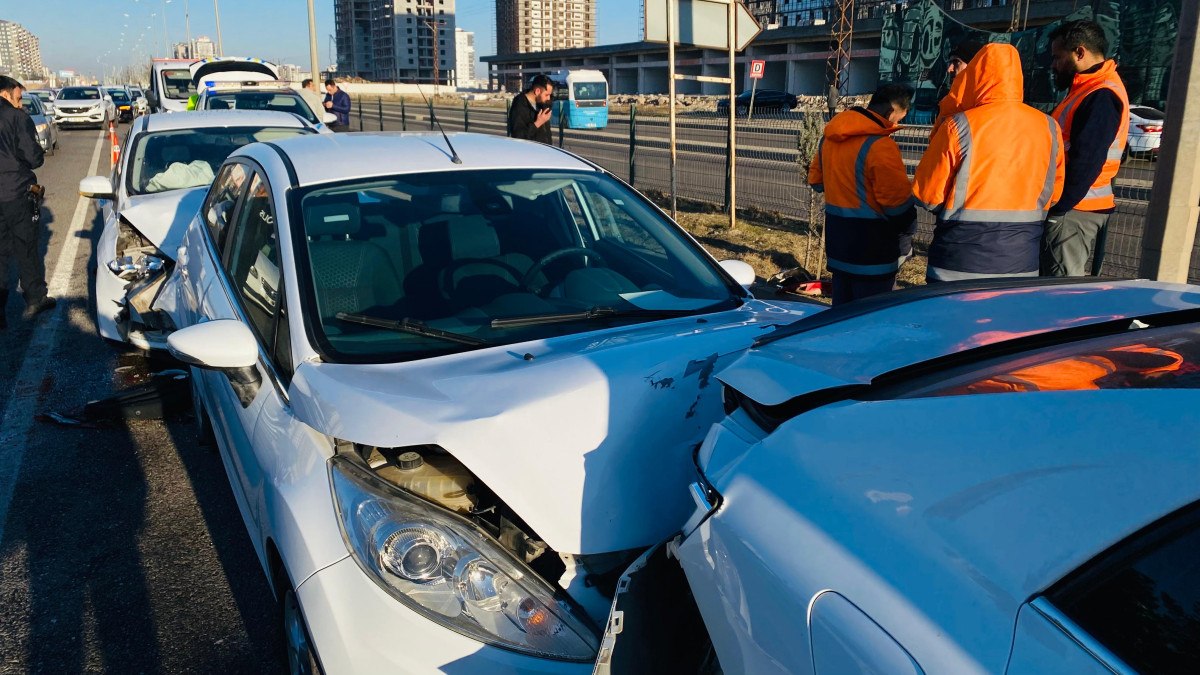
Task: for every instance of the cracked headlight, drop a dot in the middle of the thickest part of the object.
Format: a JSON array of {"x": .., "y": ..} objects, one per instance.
[{"x": 451, "y": 572}]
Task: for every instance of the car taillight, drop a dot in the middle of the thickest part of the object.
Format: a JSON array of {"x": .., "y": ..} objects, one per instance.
[{"x": 1151, "y": 128}]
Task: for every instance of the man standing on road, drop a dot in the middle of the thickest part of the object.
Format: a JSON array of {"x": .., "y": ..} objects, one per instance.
[
  {"x": 529, "y": 116},
  {"x": 869, "y": 212},
  {"x": 338, "y": 103},
  {"x": 991, "y": 173},
  {"x": 20, "y": 203},
  {"x": 308, "y": 91},
  {"x": 1095, "y": 123}
]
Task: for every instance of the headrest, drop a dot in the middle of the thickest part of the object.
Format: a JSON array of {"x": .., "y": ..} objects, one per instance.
[
  {"x": 473, "y": 237},
  {"x": 336, "y": 218}
]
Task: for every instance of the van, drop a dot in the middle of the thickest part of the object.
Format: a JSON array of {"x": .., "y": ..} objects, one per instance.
[{"x": 170, "y": 85}]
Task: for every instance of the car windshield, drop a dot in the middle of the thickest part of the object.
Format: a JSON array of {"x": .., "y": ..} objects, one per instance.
[
  {"x": 177, "y": 83},
  {"x": 79, "y": 94},
  {"x": 262, "y": 100},
  {"x": 27, "y": 102},
  {"x": 118, "y": 95},
  {"x": 420, "y": 265},
  {"x": 183, "y": 158},
  {"x": 591, "y": 91}
]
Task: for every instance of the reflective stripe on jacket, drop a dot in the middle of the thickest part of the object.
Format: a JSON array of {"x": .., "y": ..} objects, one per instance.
[
  {"x": 992, "y": 171},
  {"x": 1100, "y": 195},
  {"x": 869, "y": 214}
]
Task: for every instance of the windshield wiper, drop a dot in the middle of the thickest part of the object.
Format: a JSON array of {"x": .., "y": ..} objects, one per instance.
[
  {"x": 593, "y": 313},
  {"x": 412, "y": 327}
]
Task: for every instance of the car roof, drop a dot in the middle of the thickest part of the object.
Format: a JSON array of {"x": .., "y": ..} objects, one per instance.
[
  {"x": 219, "y": 118},
  {"x": 335, "y": 157}
]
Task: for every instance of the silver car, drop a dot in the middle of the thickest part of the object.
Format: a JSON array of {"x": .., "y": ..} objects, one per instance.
[
  {"x": 47, "y": 97},
  {"x": 47, "y": 128}
]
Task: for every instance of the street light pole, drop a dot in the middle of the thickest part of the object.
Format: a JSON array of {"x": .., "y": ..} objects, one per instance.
[
  {"x": 312, "y": 42},
  {"x": 166, "y": 39},
  {"x": 187, "y": 27},
  {"x": 217, "y": 12}
]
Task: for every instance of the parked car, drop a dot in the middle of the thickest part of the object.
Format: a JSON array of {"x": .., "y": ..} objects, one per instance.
[
  {"x": 47, "y": 129},
  {"x": 166, "y": 164},
  {"x": 267, "y": 96},
  {"x": 124, "y": 102},
  {"x": 977, "y": 477},
  {"x": 84, "y": 106},
  {"x": 765, "y": 100},
  {"x": 47, "y": 97},
  {"x": 456, "y": 388},
  {"x": 1145, "y": 131},
  {"x": 141, "y": 105}
]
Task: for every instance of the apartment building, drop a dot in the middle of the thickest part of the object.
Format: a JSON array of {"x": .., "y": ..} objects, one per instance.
[
  {"x": 20, "y": 52},
  {"x": 396, "y": 40}
]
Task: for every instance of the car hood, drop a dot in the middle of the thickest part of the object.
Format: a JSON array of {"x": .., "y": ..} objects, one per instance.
[
  {"x": 856, "y": 343},
  {"x": 163, "y": 217},
  {"x": 588, "y": 437}
]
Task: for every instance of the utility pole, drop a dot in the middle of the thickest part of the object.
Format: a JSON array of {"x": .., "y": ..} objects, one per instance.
[
  {"x": 312, "y": 43},
  {"x": 1170, "y": 230},
  {"x": 187, "y": 27},
  {"x": 166, "y": 39},
  {"x": 839, "y": 58},
  {"x": 217, "y": 12},
  {"x": 433, "y": 38}
]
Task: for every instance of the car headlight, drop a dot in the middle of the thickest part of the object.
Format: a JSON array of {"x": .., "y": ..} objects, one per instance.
[
  {"x": 41, "y": 127},
  {"x": 450, "y": 571}
]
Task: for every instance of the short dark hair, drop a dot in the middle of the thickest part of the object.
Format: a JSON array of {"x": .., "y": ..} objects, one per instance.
[
  {"x": 8, "y": 84},
  {"x": 307, "y": 81},
  {"x": 966, "y": 49},
  {"x": 540, "y": 82},
  {"x": 891, "y": 94},
  {"x": 330, "y": 83},
  {"x": 1081, "y": 33}
]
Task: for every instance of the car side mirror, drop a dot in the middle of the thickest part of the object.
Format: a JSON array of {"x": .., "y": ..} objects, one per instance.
[
  {"x": 741, "y": 272},
  {"x": 97, "y": 187},
  {"x": 218, "y": 345},
  {"x": 329, "y": 118},
  {"x": 152, "y": 98}
]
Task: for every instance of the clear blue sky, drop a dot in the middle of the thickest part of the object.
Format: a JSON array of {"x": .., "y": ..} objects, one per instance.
[{"x": 81, "y": 34}]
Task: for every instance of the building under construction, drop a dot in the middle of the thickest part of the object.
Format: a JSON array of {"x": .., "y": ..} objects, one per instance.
[
  {"x": 396, "y": 40},
  {"x": 525, "y": 26}
]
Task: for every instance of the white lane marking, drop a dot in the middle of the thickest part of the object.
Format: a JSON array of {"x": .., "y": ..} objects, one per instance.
[{"x": 22, "y": 400}]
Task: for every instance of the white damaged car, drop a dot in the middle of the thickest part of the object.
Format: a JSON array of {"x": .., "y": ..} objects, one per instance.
[
  {"x": 154, "y": 191},
  {"x": 457, "y": 390}
]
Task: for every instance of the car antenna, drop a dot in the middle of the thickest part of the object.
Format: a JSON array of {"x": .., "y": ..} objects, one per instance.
[{"x": 453, "y": 154}]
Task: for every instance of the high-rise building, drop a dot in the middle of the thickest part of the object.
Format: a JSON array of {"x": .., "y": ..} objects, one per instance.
[
  {"x": 524, "y": 26},
  {"x": 203, "y": 48},
  {"x": 464, "y": 58},
  {"x": 396, "y": 40},
  {"x": 20, "y": 52}
]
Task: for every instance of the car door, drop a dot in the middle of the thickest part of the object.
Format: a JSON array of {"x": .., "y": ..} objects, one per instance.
[{"x": 248, "y": 290}]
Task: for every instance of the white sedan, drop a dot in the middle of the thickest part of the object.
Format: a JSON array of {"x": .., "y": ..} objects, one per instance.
[
  {"x": 456, "y": 389},
  {"x": 1145, "y": 130},
  {"x": 156, "y": 188}
]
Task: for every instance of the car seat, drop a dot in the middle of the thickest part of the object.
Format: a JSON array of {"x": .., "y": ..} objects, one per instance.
[{"x": 350, "y": 275}]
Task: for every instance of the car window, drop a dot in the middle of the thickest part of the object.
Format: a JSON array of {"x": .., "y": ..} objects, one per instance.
[
  {"x": 31, "y": 105},
  {"x": 1141, "y": 599},
  {"x": 119, "y": 95},
  {"x": 183, "y": 158},
  {"x": 222, "y": 199},
  {"x": 1148, "y": 113},
  {"x": 461, "y": 250},
  {"x": 253, "y": 259},
  {"x": 282, "y": 102},
  {"x": 177, "y": 83}
]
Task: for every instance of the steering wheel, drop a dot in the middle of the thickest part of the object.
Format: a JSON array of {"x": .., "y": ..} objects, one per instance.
[
  {"x": 446, "y": 276},
  {"x": 527, "y": 280}
]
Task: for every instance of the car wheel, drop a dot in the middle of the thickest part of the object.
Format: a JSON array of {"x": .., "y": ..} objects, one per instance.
[
  {"x": 302, "y": 658},
  {"x": 741, "y": 110}
]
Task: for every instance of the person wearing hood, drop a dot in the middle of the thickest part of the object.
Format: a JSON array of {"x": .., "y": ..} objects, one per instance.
[
  {"x": 956, "y": 62},
  {"x": 990, "y": 175},
  {"x": 869, "y": 213},
  {"x": 1095, "y": 121}
]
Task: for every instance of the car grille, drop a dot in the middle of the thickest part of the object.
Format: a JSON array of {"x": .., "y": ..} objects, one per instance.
[{"x": 74, "y": 111}]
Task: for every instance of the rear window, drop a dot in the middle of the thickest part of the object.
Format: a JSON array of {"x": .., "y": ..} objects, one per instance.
[
  {"x": 1141, "y": 599},
  {"x": 1158, "y": 358},
  {"x": 262, "y": 100},
  {"x": 119, "y": 95},
  {"x": 1148, "y": 113}
]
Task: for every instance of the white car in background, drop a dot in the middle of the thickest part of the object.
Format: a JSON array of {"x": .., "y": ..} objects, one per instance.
[
  {"x": 167, "y": 162},
  {"x": 1145, "y": 131},
  {"x": 262, "y": 96},
  {"x": 84, "y": 106},
  {"x": 456, "y": 389},
  {"x": 47, "y": 97}
]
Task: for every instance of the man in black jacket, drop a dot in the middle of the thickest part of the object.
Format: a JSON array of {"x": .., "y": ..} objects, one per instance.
[
  {"x": 20, "y": 154},
  {"x": 529, "y": 116}
]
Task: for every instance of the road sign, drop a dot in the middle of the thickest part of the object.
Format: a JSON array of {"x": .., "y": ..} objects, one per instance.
[
  {"x": 700, "y": 23},
  {"x": 757, "y": 68}
]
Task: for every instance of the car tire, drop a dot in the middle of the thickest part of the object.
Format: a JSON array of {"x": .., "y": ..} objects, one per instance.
[
  {"x": 741, "y": 110},
  {"x": 301, "y": 656}
]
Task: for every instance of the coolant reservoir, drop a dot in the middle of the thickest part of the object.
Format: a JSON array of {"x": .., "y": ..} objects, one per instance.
[{"x": 438, "y": 478}]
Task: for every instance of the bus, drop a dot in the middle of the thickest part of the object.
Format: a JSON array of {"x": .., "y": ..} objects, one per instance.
[{"x": 580, "y": 99}]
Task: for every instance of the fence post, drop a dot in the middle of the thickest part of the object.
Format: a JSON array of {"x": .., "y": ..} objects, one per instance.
[
  {"x": 431, "y": 114},
  {"x": 379, "y": 102},
  {"x": 466, "y": 116},
  {"x": 632, "y": 143},
  {"x": 507, "y": 114},
  {"x": 562, "y": 120},
  {"x": 360, "y": 122},
  {"x": 403, "y": 116}
]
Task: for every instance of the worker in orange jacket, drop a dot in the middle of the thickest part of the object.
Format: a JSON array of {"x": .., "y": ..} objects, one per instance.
[
  {"x": 991, "y": 173},
  {"x": 1095, "y": 122},
  {"x": 869, "y": 213}
]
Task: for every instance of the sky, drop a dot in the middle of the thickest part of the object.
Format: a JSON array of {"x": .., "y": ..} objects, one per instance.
[{"x": 89, "y": 35}]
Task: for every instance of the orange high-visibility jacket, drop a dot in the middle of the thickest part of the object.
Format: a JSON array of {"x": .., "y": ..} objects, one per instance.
[
  {"x": 991, "y": 172},
  {"x": 1100, "y": 196}
]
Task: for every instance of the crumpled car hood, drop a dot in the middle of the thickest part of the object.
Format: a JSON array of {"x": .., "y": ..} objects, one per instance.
[
  {"x": 163, "y": 217},
  {"x": 590, "y": 441}
]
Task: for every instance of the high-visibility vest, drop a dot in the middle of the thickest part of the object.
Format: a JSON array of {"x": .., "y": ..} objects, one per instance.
[{"x": 1100, "y": 196}]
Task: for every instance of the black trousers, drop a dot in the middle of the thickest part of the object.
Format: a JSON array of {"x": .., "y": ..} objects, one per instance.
[
  {"x": 847, "y": 286},
  {"x": 19, "y": 238}
]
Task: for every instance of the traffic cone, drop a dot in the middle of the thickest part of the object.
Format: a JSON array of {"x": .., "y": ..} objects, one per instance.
[{"x": 116, "y": 148}]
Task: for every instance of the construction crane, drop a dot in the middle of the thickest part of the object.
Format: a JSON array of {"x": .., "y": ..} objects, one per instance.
[{"x": 838, "y": 65}]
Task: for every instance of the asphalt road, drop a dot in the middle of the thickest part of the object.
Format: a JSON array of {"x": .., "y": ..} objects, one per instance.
[{"x": 121, "y": 548}]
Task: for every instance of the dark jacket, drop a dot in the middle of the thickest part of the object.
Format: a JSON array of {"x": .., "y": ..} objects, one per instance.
[
  {"x": 1097, "y": 120},
  {"x": 341, "y": 106},
  {"x": 521, "y": 118},
  {"x": 20, "y": 152}
]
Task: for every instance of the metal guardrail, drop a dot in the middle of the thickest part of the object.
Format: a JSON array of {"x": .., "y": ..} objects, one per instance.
[{"x": 634, "y": 147}]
